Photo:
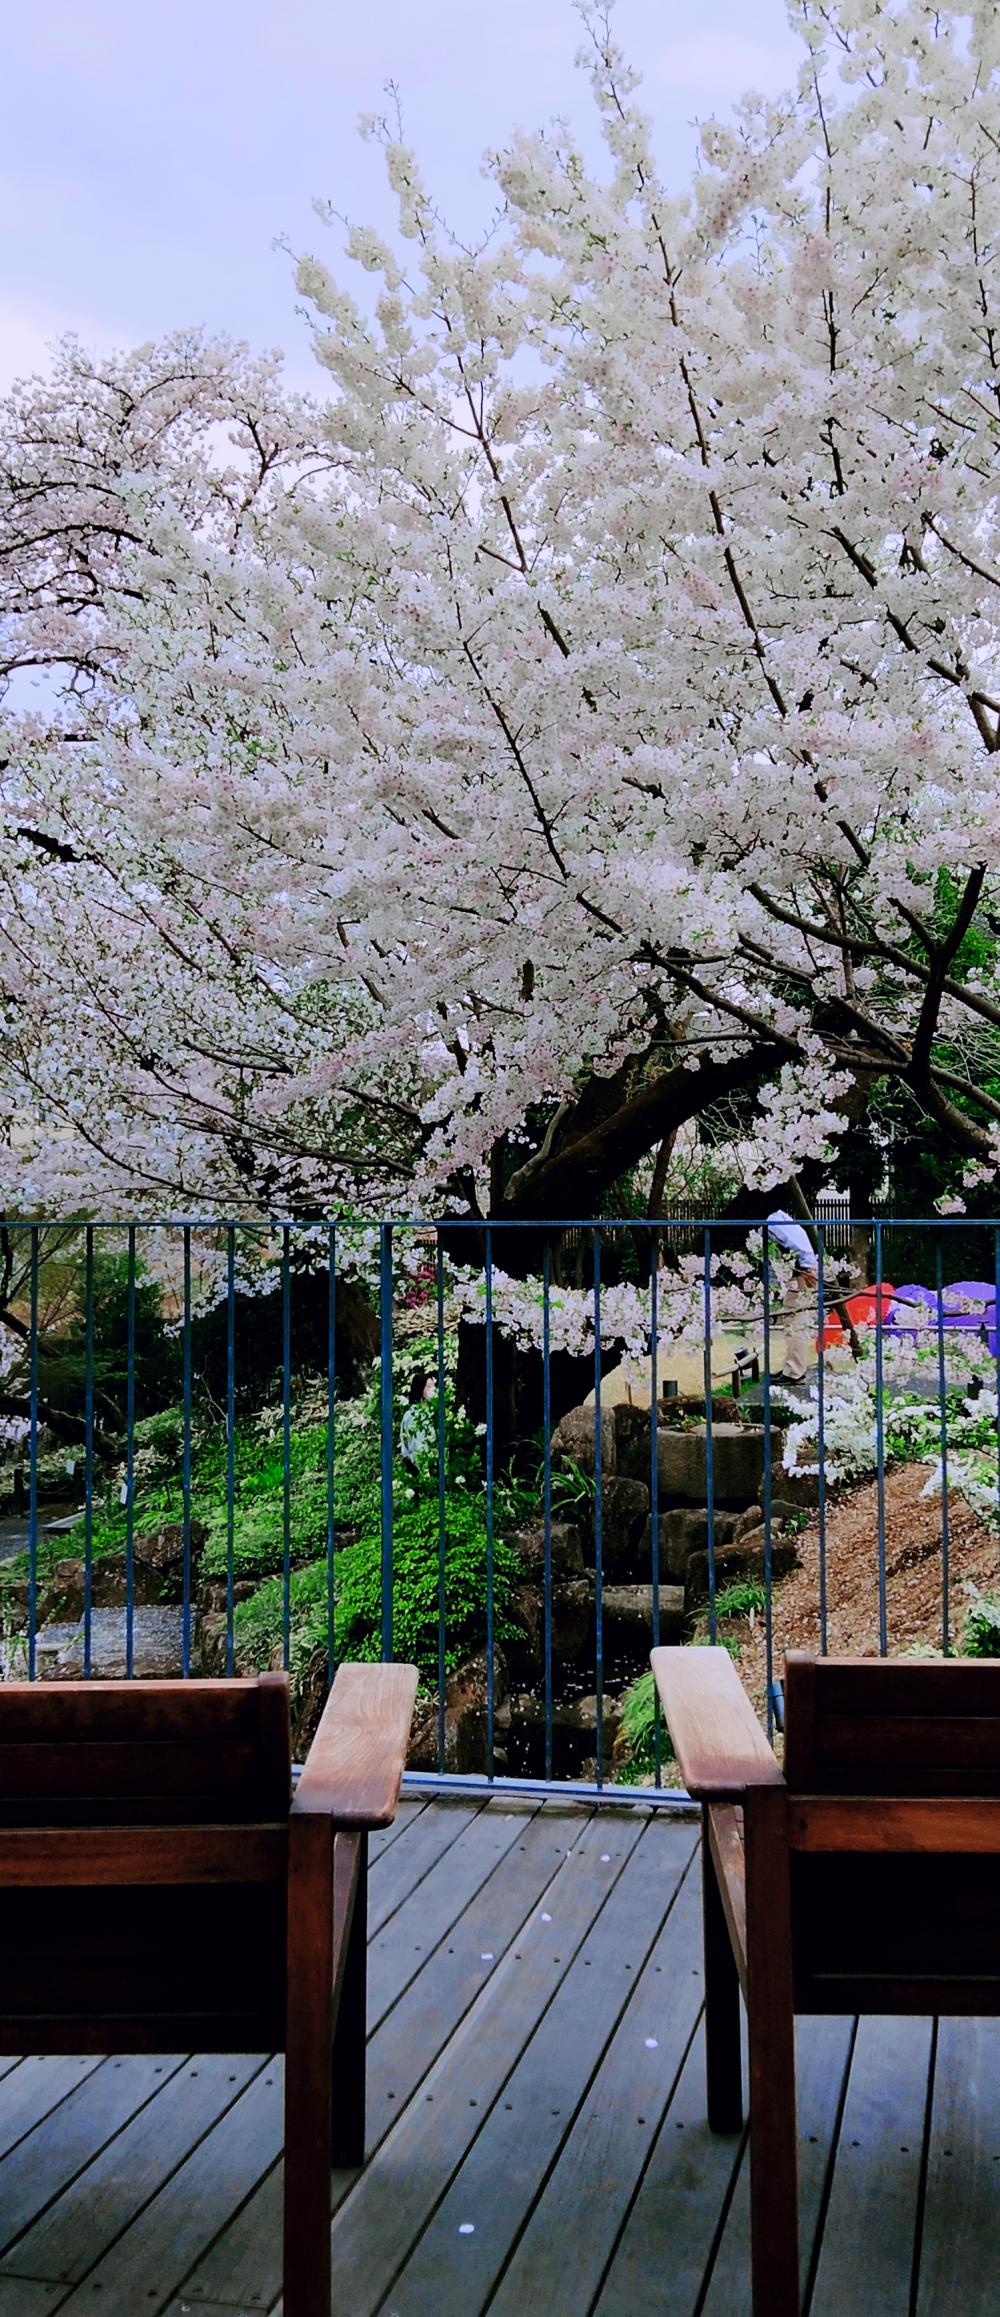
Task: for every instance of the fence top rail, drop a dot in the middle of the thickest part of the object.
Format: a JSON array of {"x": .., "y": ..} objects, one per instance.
[{"x": 489, "y": 1224}]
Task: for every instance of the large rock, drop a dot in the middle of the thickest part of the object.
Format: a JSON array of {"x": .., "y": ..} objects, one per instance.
[
  {"x": 738, "y": 1463},
  {"x": 743, "y": 1561},
  {"x": 683, "y": 1413},
  {"x": 797, "y": 1491},
  {"x": 684, "y": 1530},
  {"x": 465, "y": 1719},
  {"x": 628, "y": 1619},
  {"x": 632, "y": 1441},
  {"x": 574, "y": 1735},
  {"x": 573, "y": 1441},
  {"x": 565, "y": 1547},
  {"x": 208, "y": 1642},
  {"x": 572, "y": 1616},
  {"x": 624, "y": 1508},
  {"x": 63, "y": 1595},
  {"x": 685, "y": 1407},
  {"x": 159, "y": 1555},
  {"x": 526, "y": 1648},
  {"x": 108, "y": 1587}
]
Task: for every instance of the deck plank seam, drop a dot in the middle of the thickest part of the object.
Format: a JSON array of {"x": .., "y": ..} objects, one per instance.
[
  {"x": 83, "y": 2077},
  {"x": 572, "y": 2119},
  {"x": 385, "y": 1920},
  {"x": 516, "y": 2058},
  {"x": 76, "y": 2283},
  {"x": 9, "y": 2244},
  {"x": 925, "y": 2157},
  {"x": 489, "y": 1869},
  {"x": 826, "y": 2191},
  {"x": 476, "y": 1995}
]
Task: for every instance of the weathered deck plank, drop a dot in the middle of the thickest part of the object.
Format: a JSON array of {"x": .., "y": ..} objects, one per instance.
[
  {"x": 44, "y": 2162},
  {"x": 401, "y": 1868},
  {"x": 587, "y": 2193},
  {"x": 246, "y": 2259},
  {"x": 870, "y": 2225},
  {"x": 74, "y": 2232},
  {"x": 663, "y": 2252},
  {"x": 377, "y": 2228},
  {"x": 536, "y": 2069},
  {"x": 148, "y": 2261},
  {"x": 509, "y": 2158},
  {"x": 33, "y": 2089},
  {"x": 823, "y": 2051},
  {"x": 958, "y": 2258}
]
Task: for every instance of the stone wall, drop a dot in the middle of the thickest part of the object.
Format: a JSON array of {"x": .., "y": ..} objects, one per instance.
[{"x": 627, "y": 1585}]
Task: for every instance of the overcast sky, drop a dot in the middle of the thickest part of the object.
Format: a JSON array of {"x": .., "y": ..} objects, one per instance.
[{"x": 154, "y": 149}]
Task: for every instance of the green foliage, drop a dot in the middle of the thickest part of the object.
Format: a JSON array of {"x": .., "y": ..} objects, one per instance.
[
  {"x": 640, "y": 1713},
  {"x": 744, "y": 1599},
  {"x": 358, "y": 1594},
  {"x": 981, "y": 1632},
  {"x": 733, "y": 1606},
  {"x": 157, "y": 1352},
  {"x": 357, "y": 1511}
]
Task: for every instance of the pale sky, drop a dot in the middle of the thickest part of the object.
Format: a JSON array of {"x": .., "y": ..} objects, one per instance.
[{"x": 154, "y": 149}]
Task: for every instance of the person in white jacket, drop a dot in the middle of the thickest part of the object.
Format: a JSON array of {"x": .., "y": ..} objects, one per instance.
[{"x": 800, "y": 1310}]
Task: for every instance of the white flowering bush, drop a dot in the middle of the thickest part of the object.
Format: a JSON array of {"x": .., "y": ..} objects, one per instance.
[{"x": 911, "y": 1405}]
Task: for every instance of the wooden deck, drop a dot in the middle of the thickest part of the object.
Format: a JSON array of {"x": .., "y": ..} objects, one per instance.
[{"x": 536, "y": 2119}]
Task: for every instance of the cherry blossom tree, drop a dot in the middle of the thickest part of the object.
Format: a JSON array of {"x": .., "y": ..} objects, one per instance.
[{"x": 584, "y": 713}]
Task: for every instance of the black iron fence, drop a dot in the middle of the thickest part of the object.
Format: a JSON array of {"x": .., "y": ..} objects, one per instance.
[{"x": 228, "y": 1446}]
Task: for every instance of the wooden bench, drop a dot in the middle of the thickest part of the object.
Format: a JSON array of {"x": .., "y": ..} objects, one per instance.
[
  {"x": 162, "y": 1891},
  {"x": 864, "y": 1879}
]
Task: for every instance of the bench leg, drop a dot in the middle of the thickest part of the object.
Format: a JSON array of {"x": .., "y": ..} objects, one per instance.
[
  {"x": 723, "y": 2067},
  {"x": 350, "y": 2029},
  {"x": 774, "y": 2229},
  {"x": 308, "y": 2034}
]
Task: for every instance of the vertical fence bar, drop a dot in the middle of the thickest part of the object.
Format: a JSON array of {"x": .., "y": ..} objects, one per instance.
[
  {"x": 88, "y": 1454},
  {"x": 33, "y": 1453},
  {"x": 996, "y": 1350},
  {"x": 709, "y": 1439},
  {"x": 231, "y": 1445},
  {"x": 654, "y": 1486},
  {"x": 286, "y": 1445},
  {"x": 331, "y": 1426},
  {"x": 130, "y": 1467},
  {"x": 883, "y": 1613},
  {"x": 821, "y": 1426},
  {"x": 598, "y": 1517},
  {"x": 386, "y": 1428},
  {"x": 768, "y": 1605},
  {"x": 490, "y": 1677},
  {"x": 442, "y": 1447},
  {"x": 943, "y": 1414},
  {"x": 186, "y": 1455},
  {"x": 547, "y": 1494}
]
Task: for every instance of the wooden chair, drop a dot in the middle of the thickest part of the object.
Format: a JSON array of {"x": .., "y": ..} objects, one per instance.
[
  {"x": 866, "y": 1879},
  {"x": 162, "y": 1891}
]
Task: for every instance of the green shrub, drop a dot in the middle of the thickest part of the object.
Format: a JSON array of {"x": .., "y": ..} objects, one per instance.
[
  {"x": 358, "y": 1594},
  {"x": 981, "y": 1632},
  {"x": 640, "y": 1714}
]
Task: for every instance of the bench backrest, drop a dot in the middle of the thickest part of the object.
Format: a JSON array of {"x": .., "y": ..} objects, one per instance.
[
  {"x": 143, "y": 1865},
  {"x": 129, "y": 1753},
  {"x": 892, "y": 1726},
  {"x": 893, "y": 1771}
]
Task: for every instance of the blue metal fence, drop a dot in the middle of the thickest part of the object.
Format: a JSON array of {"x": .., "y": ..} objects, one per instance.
[{"x": 457, "y": 1303}]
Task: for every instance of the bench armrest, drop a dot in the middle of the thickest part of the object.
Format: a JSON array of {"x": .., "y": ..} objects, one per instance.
[
  {"x": 354, "y": 1767},
  {"x": 720, "y": 1746}
]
